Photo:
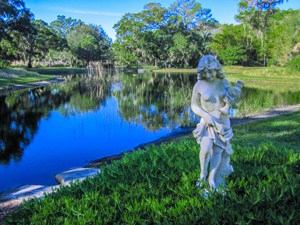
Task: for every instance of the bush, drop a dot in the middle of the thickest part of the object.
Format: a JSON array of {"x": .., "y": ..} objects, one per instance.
[
  {"x": 294, "y": 64},
  {"x": 4, "y": 64}
]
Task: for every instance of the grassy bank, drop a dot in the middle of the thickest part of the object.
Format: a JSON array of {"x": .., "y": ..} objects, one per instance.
[
  {"x": 157, "y": 186},
  {"x": 20, "y": 76},
  {"x": 257, "y": 73},
  {"x": 280, "y": 72},
  {"x": 58, "y": 70}
]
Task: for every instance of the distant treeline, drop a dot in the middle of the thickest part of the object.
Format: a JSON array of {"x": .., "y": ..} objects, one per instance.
[
  {"x": 157, "y": 36},
  {"x": 64, "y": 42}
]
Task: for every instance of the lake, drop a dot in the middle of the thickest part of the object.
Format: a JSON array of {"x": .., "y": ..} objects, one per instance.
[{"x": 47, "y": 130}]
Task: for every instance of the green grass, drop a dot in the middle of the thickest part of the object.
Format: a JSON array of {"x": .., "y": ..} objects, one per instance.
[
  {"x": 254, "y": 73},
  {"x": 58, "y": 70},
  {"x": 280, "y": 72},
  {"x": 157, "y": 185},
  {"x": 10, "y": 77},
  {"x": 173, "y": 70}
]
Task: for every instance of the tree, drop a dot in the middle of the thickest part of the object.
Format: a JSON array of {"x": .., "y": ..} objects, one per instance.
[
  {"x": 256, "y": 14},
  {"x": 14, "y": 16},
  {"x": 15, "y": 19},
  {"x": 89, "y": 42},
  {"x": 63, "y": 25},
  {"x": 284, "y": 37},
  {"x": 37, "y": 42},
  {"x": 156, "y": 34},
  {"x": 190, "y": 15},
  {"x": 231, "y": 46}
]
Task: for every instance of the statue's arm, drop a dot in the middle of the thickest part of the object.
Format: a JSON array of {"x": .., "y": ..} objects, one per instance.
[
  {"x": 227, "y": 87},
  {"x": 196, "y": 107},
  {"x": 226, "y": 84}
]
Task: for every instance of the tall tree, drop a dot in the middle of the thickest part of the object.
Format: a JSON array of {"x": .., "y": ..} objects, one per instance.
[
  {"x": 256, "y": 14},
  {"x": 37, "y": 42},
  {"x": 156, "y": 34},
  {"x": 284, "y": 37},
  {"x": 14, "y": 16},
  {"x": 230, "y": 45},
  {"x": 190, "y": 14},
  {"x": 63, "y": 25},
  {"x": 89, "y": 42},
  {"x": 15, "y": 19}
]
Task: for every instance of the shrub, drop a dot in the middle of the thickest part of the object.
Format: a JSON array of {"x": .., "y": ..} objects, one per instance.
[
  {"x": 4, "y": 64},
  {"x": 294, "y": 64}
]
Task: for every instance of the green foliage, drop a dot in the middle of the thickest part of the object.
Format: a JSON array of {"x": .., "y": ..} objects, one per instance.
[
  {"x": 89, "y": 43},
  {"x": 230, "y": 45},
  {"x": 157, "y": 185},
  {"x": 170, "y": 37},
  {"x": 294, "y": 64},
  {"x": 15, "y": 20},
  {"x": 4, "y": 64},
  {"x": 283, "y": 37},
  {"x": 268, "y": 35},
  {"x": 63, "y": 25},
  {"x": 14, "y": 16},
  {"x": 167, "y": 37},
  {"x": 29, "y": 40}
]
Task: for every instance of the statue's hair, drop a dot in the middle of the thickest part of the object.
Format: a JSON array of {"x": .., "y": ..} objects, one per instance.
[{"x": 212, "y": 63}]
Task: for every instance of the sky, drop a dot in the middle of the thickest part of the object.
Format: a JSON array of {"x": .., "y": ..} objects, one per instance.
[{"x": 108, "y": 12}]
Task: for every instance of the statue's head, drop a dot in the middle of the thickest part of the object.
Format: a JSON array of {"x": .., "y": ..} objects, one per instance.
[{"x": 209, "y": 63}]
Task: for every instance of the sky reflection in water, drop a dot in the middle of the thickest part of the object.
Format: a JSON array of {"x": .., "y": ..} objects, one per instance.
[
  {"x": 48, "y": 130},
  {"x": 53, "y": 129}
]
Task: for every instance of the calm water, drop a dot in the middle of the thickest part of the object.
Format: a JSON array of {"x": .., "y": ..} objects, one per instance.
[{"x": 48, "y": 130}]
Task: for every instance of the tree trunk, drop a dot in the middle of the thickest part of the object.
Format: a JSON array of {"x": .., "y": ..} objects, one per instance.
[
  {"x": 29, "y": 65},
  {"x": 263, "y": 49}
]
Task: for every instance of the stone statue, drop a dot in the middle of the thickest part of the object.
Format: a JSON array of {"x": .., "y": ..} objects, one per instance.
[
  {"x": 233, "y": 95},
  {"x": 211, "y": 99}
]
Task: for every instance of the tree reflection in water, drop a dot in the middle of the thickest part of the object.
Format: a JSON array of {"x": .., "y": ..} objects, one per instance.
[
  {"x": 155, "y": 101},
  {"x": 21, "y": 111}
]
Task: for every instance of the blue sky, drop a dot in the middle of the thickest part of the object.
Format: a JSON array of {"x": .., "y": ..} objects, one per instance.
[{"x": 108, "y": 12}]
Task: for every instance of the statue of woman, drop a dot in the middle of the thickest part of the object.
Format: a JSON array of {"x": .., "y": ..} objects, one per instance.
[{"x": 214, "y": 132}]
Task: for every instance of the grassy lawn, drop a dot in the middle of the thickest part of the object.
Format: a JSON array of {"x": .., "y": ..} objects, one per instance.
[
  {"x": 157, "y": 185},
  {"x": 20, "y": 76},
  {"x": 57, "y": 70},
  {"x": 250, "y": 74},
  {"x": 279, "y": 72},
  {"x": 254, "y": 73},
  {"x": 174, "y": 70}
]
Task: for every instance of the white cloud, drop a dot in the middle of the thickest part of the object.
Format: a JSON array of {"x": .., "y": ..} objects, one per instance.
[{"x": 89, "y": 12}]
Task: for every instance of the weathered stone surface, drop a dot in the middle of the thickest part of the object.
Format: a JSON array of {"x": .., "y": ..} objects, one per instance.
[
  {"x": 15, "y": 197},
  {"x": 76, "y": 174},
  {"x": 212, "y": 99},
  {"x": 26, "y": 192}
]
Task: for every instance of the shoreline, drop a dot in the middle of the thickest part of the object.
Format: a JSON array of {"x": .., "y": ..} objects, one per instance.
[
  {"x": 184, "y": 133},
  {"x": 37, "y": 84},
  {"x": 273, "y": 112},
  {"x": 11, "y": 205}
]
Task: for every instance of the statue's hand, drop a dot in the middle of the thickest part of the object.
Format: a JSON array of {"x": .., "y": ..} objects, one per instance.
[{"x": 209, "y": 119}]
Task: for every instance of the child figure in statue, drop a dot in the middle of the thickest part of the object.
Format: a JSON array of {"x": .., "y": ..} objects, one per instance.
[
  {"x": 214, "y": 132},
  {"x": 233, "y": 96}
]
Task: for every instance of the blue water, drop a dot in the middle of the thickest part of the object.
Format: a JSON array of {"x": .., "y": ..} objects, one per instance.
[
  {"x": 48, "y": 130},
  {"x": 64, "y": 142},
  {"x": 45, "y": 131}
]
